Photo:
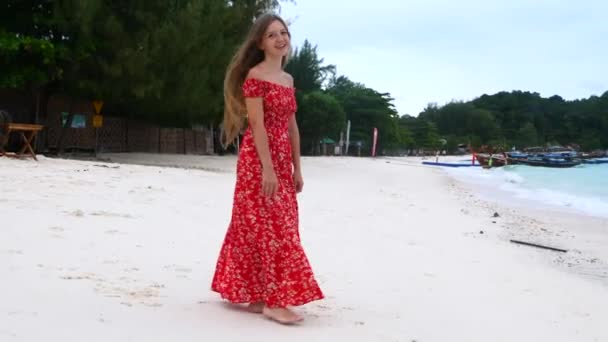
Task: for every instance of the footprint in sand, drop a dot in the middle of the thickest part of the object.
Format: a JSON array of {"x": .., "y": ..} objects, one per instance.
[
  {"x": 178, "y": 268},
  {"x": 16, "y": 313},
  {"x": 127, "y": 280},
  {"x": 82, "y": 276},
  {"x": 130, "y": 270},
  {"x": 7, "y": 333},
  {"x": 124, "y": 288},
  {"x": 77, "y": 213},
  {"x": 161, "y": 189},
  {"x": 80, "y": 213},
  {"x": 56, "y": 232},
  {"x": 110, "y": 214},
  {"x": 147, "y": 188},
  {"x": 182, "y": 272},
  {"x": 114, "y": 232},
  {"x": 147, "y": 296}
]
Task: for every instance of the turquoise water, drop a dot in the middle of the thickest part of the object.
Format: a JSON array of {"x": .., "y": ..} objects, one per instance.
[
  {"x": 586, "y": 180},
  {"x": 583, "y": 188}
]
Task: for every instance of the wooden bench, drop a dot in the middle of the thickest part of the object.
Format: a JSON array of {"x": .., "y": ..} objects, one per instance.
[{"x": 27, "y": 132}]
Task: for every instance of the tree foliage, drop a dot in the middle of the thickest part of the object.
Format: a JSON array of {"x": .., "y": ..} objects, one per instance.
[
  {"x": 164, "y": 61},
  {"x": 524, "y": 119}
]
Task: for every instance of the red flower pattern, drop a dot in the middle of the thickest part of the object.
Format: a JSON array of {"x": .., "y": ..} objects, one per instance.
[{"x": 262, "y": 259}]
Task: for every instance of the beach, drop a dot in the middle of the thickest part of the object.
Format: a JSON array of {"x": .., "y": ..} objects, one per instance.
[
  {"x": 585, "y": 236},
  {"x": 118, "y": 251}
]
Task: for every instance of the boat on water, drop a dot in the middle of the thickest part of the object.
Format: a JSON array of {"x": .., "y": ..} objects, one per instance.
[
  {"x": 449, "y": 164},
  {"x": 488, "y": 160},
  {"x": 595, "y": 161},
  {"x": 598, "y": 154},
  {"x": 555, "y": 156},
  {"x": 546, "y": 161}
]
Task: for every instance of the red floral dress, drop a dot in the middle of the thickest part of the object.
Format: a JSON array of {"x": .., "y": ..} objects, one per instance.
[{"x": 261, "y": 259}]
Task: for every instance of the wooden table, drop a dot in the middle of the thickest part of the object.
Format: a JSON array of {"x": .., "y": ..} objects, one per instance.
[{"x": 28, "y": 134}]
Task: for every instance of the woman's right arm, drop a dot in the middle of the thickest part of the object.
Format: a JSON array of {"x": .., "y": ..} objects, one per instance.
[{"x": 255, "y": 115}]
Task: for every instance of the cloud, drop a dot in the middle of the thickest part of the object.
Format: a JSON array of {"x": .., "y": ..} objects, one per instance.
[{"x": 439, "y": 50}]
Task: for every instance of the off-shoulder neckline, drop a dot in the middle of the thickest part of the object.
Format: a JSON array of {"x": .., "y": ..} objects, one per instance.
[{"x": 269, "y": 82}]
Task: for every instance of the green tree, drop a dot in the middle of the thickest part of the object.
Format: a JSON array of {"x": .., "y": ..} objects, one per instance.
[
  {"x": 523, "y": 119},
  {"x": 44, "y": 45},
  {"x": 428, "y": 135},
  {"x": 527, "y": 136},
  {"x": 307, "y": 68},
  {"x": 409, "y": 131},
  {"x": 367, "y": 108},
  {"x": 406, "y": 137},
  {"x": 161, "y": 60},
  {"x": 320, "y": 116}
]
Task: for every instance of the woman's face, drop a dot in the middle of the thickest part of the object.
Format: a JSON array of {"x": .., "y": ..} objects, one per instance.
[{"x": 276, "y": 40}]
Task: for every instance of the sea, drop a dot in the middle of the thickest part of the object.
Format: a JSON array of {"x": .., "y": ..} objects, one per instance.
[{"x": 582, "y": 189}]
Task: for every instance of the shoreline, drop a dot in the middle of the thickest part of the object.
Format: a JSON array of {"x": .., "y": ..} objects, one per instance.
[{"x": 583, "y": 235}]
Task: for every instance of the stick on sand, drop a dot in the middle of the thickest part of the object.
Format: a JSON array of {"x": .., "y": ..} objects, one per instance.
[{"x": 539, "y": 246}]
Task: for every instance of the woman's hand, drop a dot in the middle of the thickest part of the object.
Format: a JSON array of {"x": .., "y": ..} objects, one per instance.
[
  {"x": 270, "y": 182},
  {"x": 298, "y": 180}
]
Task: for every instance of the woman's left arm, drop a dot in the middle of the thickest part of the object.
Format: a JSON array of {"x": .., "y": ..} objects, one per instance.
[{"x": 294, "y": 140}]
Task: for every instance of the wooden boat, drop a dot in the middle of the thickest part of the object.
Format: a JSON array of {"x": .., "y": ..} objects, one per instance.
[
  {"x": 514, "y": 157},
  {"x": 553, "y": 157},
  {"x": 549, "y": 162},
  {"x": 595, "y": 161},
  {"x": 487, "y": 160},
  {"x": 593, "y": 155},
  {"x": 448, "y": 164}
]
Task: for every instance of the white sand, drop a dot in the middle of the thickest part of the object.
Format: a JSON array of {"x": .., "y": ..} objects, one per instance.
[{"x": 126, "y": 253}]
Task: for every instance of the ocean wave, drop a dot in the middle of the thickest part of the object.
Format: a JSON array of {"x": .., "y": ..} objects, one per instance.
[{"x": 582, "y": 190}]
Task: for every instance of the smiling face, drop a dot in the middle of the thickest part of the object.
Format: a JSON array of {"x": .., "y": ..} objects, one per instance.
[{"x": 276, "y": 40}]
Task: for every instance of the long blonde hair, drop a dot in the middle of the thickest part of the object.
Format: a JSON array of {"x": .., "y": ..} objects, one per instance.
[{"x": 246, "y": 57}]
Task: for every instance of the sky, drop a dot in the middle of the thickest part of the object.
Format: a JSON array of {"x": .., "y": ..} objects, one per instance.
[{"x": 437, "y": 51}]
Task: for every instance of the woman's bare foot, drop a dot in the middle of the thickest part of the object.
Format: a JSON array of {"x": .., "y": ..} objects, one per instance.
[
  {"x": 282, "y": 315},
  {"x": 257, "y": 307}
]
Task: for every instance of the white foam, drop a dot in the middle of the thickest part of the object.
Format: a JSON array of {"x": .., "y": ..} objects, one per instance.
[{"x": 505, "y": 185}]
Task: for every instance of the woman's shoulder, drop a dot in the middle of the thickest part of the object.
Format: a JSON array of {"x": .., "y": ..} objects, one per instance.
[
  {"x": 288, "y": 78},
  {"x": 254, "y": 85},
  {"x": 255, "y": 73}
]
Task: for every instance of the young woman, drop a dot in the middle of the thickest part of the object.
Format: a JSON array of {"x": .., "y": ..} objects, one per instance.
[{"x": 262, "y": 261}]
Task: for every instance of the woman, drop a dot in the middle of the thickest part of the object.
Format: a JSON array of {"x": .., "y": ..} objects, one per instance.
[{"x": 261, "y": 261}]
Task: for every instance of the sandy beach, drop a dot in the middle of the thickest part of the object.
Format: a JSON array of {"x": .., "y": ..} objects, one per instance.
[{"x": 113, "y": 251}]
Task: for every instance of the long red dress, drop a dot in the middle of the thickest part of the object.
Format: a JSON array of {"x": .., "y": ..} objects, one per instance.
[{"x": 261, "y": 259}]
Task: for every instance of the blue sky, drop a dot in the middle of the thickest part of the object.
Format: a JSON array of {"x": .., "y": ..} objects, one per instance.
[{"x": 435, "y": 51}]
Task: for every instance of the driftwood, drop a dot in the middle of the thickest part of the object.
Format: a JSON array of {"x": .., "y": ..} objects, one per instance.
[{"x": 539, "y": 246}]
